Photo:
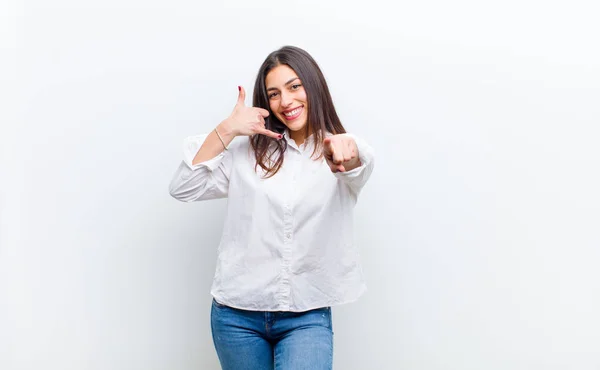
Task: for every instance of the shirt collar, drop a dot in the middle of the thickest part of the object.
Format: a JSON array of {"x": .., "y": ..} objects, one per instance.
[{"x": 308, "y": 141}]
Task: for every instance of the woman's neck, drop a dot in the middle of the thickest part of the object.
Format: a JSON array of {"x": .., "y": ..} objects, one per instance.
[{"x": 300, "y": 136}]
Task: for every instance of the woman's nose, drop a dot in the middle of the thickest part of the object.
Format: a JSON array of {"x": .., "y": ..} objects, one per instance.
[{"x": 286, "y": 99}]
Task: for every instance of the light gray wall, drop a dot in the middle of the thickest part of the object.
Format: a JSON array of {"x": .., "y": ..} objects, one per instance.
[{"x": 478, "y": 229}]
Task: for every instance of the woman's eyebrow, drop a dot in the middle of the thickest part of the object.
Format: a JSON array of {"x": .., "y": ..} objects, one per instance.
[{"x": 287, "y": 83}]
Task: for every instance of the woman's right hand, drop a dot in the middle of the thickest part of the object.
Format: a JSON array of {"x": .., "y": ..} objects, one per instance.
[{"x": 248, "y": 121}]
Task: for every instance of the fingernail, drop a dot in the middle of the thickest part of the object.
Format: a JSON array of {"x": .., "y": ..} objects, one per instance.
[
  {"x": 280, "y": 136},
  {"x": 239, "y": 88}
]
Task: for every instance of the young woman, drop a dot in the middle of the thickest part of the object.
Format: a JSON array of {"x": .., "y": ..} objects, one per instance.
[{"x": 292, "y": 175}]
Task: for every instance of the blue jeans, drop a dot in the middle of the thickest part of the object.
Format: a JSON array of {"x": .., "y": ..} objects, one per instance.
[{"x": 258, "y": 340}]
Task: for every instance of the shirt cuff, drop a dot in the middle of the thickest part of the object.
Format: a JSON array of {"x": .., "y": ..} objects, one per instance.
[{"x": 191, "y": 145}]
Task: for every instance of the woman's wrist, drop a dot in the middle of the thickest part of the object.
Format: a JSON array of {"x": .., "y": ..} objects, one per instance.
[{"x": 225, "y": 128}]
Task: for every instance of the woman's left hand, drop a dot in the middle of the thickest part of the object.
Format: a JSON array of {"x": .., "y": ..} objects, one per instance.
[{"x": 341, "y": 153}]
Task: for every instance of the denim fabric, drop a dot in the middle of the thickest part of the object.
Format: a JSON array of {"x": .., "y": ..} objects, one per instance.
[{"x": 259, "y": 340}]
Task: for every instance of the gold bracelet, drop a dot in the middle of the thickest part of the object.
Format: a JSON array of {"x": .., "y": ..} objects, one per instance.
[{"x": 220, "y": 138}]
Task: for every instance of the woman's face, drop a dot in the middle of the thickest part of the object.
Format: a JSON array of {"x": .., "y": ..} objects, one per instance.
[{"x": 287, "y": 97}]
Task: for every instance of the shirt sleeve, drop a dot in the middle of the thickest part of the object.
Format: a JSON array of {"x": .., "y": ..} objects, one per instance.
[
  {"x": 203, "y": 181},
  {"x": 357, "y": 178}
]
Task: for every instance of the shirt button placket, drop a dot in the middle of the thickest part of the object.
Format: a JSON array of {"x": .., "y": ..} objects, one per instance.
[
  {"x": 288, "y": 224},
  {"x": 286, "y": 257}
]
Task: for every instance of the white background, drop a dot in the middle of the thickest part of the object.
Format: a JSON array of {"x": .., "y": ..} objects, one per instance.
[{"x": 479, "y": 228}]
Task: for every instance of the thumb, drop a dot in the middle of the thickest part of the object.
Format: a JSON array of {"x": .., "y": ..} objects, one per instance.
[{"x": 241, "y": 96}]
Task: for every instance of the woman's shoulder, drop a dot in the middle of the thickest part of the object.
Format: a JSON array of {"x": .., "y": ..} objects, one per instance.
[
  {"x": 239, "y": 142},
  {"x": 240, "y": 147}
]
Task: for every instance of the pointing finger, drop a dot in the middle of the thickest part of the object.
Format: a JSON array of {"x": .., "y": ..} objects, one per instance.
[{"x": 328, "y": 146}]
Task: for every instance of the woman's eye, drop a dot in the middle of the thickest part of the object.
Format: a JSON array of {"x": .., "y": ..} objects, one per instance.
[
  {"x": 296, "y": 87},
  {"x": 272, "y": 95}
]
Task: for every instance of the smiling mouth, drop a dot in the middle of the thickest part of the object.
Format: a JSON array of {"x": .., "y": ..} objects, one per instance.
[{"x": 293, "y": 114}]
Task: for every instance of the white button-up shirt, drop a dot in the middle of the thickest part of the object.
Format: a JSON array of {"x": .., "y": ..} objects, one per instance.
[{"x": 287, "y": 242}]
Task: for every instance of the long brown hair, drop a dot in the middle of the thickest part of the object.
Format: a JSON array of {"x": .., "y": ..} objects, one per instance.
[{"x": 322, "y": 117}]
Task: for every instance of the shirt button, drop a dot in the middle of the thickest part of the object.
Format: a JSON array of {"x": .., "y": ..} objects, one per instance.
[{"x": 289, "y": 236}]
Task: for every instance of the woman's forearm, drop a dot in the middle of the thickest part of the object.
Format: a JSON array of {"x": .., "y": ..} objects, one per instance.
[{"x": 213, "y": 146}]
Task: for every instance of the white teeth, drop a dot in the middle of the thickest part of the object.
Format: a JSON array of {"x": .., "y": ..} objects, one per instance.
[{"x": 289, "y": 114}]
